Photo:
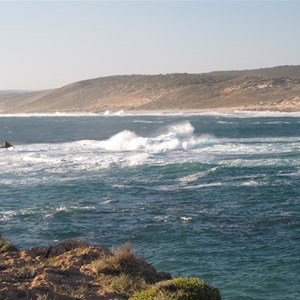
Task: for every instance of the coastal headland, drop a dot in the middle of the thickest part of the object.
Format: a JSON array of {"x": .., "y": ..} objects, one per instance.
[
  {"x": 76, "y": 270},
  {"x": 268, "y": 89}
]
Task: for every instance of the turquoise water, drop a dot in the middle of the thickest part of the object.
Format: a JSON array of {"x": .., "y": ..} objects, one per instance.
[{"x": 212, "y": 196}]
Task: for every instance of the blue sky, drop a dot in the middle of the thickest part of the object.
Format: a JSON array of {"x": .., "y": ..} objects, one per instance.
[{"x": 48, "y": 44}]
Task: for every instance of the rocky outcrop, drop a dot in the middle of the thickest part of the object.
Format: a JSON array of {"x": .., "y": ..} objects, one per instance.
[
  {"x": 6, "y": 144},
  {"x": 73, "y": 270}
]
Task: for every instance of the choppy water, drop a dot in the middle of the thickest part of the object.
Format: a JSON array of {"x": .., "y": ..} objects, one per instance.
[{"x": 212, "y": 196}]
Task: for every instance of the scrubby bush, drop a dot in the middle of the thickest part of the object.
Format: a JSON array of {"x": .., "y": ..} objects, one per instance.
[
  {"x": 126, "y": 285},
  {"x": 153, "y": 294},
  {"x": 124, "y": 261},
  {"x": 6, "y": 246},
  {"x": 179, "y": 289}
]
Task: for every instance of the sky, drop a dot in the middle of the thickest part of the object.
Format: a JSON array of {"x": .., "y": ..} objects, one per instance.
[{"x": 49, "y": 44}]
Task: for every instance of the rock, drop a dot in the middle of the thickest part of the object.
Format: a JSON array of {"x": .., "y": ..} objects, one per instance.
[
  {"x": 39, "y": 251},
  {"x": 6, "y": 144},
  {"x": 58, "y": 249}
]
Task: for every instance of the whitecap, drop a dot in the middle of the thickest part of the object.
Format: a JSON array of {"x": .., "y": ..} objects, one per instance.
[
  {"x": 147, "y": 122},
  {"x": 186, "y": 219},
  {"x": 260, "y": 114},
  {"x": 108, "y": 201},
  {"x": 251, "y": 183},
  {"x": 179, "y": 137},
  {"x": 74, "y": 208},
  {"x": 117, "y": 113},
  {"x": 107, "y": 113},
  {"x": 7, "y": 215},
  {"x": 294, "y": 174},
  {"x": 204, "y": 185},
  {"x": 195, "y": 176},
  {"x": 163, "y": 219},
  {"x": 226, "y": 122}
]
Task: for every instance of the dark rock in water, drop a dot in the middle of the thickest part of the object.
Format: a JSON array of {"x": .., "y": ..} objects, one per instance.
[{"x": 6, "y": 144}]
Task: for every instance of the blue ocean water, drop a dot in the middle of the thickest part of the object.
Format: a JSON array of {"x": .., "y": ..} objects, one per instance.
[{"x": 212, "y": 196}]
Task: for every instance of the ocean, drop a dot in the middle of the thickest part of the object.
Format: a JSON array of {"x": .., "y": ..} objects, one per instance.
[{"x": 214, "y": 196}]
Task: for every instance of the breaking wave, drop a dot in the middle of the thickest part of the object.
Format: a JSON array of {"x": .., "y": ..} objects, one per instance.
[
  {"x": 174, "y": 144},
  {"x": 179, "y": 137},
  {"x": 110, "y": 113}
]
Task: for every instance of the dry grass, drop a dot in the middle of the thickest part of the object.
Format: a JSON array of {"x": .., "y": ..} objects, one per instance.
[
  {"x": 124, "y": 261},
  {"x": 123, "y": 273},
  {"x": 113, "y": 264},
  {"x": 6, "y": 246},
  {"x": 80, "y": 292},
  {"x": 123, "y": 285},
  {"x": 127, "y": 285},
  {"x": 42, "y": 297}
]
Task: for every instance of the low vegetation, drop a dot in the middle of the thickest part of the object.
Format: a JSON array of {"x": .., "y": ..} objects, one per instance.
[
  {"x": 179, "y": 289},
  {"x": 5, "y": 246}
]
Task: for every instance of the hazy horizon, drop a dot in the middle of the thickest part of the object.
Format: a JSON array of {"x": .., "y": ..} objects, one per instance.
[{"x": 49, "y": 44}]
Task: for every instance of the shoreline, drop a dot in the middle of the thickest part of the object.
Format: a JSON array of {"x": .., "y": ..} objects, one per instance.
[{"x": 218, "y": 111}]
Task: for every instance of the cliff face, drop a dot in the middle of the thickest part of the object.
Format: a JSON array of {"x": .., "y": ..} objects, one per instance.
[{"x": 275, "y": 88}]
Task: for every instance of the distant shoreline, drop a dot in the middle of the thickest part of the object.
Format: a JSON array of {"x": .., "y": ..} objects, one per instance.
[{"x": 221, "y": 112}]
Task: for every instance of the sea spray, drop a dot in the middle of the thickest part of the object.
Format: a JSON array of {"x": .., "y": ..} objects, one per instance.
[{"x": 179, "y": 136}]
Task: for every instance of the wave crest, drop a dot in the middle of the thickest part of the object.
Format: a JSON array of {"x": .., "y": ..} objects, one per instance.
[{"x": 178, "y": 137}]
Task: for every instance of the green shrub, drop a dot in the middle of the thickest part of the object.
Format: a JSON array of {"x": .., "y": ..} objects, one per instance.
[
  {"x": 127, "y": 285},
  {"x": 152, "y": 294},
  {"x": 179, "y": 289}
]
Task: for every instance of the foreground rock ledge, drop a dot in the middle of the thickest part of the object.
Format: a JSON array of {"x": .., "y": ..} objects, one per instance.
[{"x": 76, "y": 270}]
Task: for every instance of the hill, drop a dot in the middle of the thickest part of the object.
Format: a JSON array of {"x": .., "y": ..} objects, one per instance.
[{"x": 275, "y": 88}]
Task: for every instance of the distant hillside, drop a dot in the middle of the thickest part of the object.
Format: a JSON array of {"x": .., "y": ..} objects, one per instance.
[
  {"x": 275, "y": 88},
  {"x": 12, "y": 93}
]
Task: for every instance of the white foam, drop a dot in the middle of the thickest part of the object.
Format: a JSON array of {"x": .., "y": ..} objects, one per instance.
[
  {"x": 195, "y": 176},
  {"x": 147, "y": 122},
  {"x": 105, "y": 202},
  {"x": 118, "y": 113},
  {"x": 124, "y": 141},
  {"x": 7, "y": 215},
  {"x": 186, "y": 219},
  {"x": 204, "y": 185},
  {"x": 163, "y": 219},
  {"x": 74, "y": 208},
  {"x": 251, "y": 183},
  {"x": 178, "y": 143},
  {"x": 238, "y": 114},
  {"x": 294, "y": 174},
  {"x": 265, "y": 114},
  {"x": 107, "y": 113},
  {"x": 179, "y": 137}
]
